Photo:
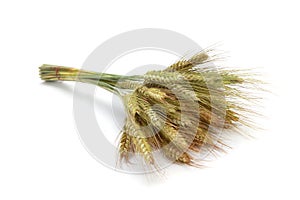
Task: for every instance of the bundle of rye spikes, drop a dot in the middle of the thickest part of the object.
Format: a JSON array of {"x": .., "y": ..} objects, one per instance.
[{"x": 179, "y": 111}]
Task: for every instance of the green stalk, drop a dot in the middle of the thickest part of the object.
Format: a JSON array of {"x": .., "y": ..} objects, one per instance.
[{"x": 103, "y": 80}]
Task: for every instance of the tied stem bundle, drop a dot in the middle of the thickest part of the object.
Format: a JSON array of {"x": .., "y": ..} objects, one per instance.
[{"x": 179, "y": 111}]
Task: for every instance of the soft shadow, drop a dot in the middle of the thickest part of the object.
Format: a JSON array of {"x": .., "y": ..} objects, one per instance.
[{"x": 68, "y": 89}]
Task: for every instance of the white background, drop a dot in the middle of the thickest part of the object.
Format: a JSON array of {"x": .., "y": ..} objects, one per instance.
[{"x": 41, "y": 156}]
